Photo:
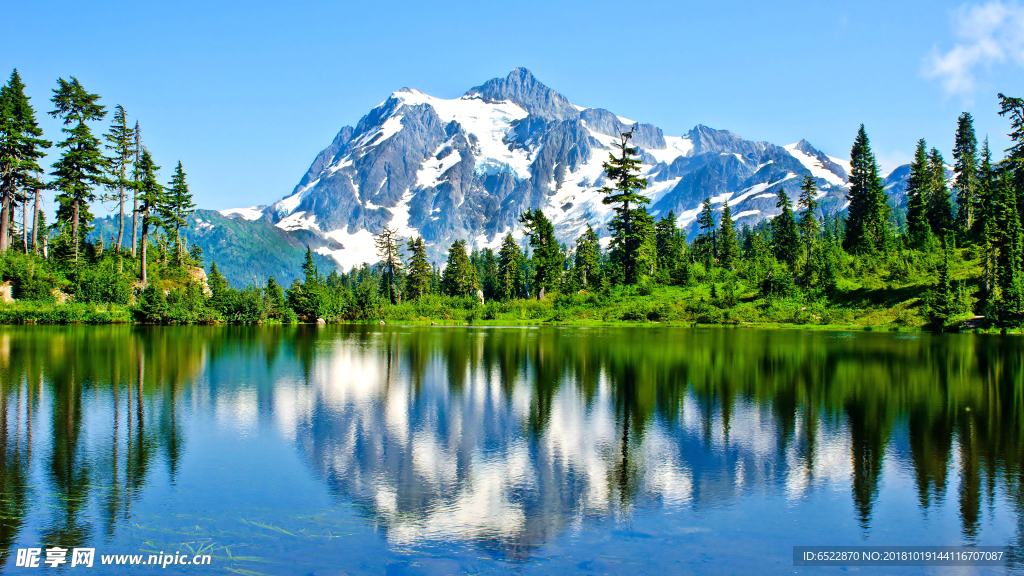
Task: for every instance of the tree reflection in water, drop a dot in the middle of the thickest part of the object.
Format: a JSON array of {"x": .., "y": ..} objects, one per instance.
[{"x": 506, "y": 437}]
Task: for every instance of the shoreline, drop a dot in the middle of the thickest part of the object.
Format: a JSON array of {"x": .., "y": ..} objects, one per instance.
[{"x": 111, "y": 315}]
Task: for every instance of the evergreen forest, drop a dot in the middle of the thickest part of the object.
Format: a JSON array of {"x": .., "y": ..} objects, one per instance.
[{"x": 952, "y": 258}]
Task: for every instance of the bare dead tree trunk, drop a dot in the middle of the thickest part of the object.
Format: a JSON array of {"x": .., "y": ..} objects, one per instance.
[
  {"x": 35, "y": 222},
  {"x": 5, "y": 222},
  {"x": 74, "y": 229},
  {"x": 145, "y": 241},
  {"x": 135, "y": 189},
  {"x": 120, "y": 221},
  {"x": 24, "y": 224}
]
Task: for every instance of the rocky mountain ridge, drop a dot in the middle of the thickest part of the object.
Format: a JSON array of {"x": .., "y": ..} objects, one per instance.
[{"x": 466, "y": 168}]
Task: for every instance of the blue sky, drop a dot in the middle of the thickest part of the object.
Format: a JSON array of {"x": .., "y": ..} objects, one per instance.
[{"x": 246, "y": 93}]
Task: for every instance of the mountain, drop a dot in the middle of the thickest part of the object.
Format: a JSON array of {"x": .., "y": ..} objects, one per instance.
[
  {"x": 896, "y": 184},
  {"x": 466, "y": 168},
  {"x": 245, "y": 250}
]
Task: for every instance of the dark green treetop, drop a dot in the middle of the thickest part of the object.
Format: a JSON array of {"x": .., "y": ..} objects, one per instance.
[
  {"x": 785, "y": 237},
  {"x": 627, "y": 241},
  {"x": 547, "y": 258},
  {"x": 867, "y": 224}
]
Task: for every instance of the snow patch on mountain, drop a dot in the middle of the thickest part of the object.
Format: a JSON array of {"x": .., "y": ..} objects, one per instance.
[
  {"x": 844, "y": 163},
  {"x": 814, "y": 166},
  {"x": 429, "y": 174},
  {"x": 357, "y": 248},
  {"x": 250, "y": 213},
  {"x": 298, "y": 221},
  {"x": 677, "y": 146},
  {"x": 400, "y": 218},
  {"x": 489, "y": 122}
]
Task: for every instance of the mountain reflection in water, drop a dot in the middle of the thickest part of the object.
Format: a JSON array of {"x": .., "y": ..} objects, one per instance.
[{"x": 509, "y": 439}]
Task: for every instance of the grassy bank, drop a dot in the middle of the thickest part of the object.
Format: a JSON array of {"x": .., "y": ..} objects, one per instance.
[{"x": 651, "y": 304}]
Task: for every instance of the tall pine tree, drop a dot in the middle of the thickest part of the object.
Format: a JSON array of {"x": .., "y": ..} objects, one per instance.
[
  {"x": 809, "y": 227},
  {"x": 646, "y": 259},
  {"x": 417, "y": 279},
  {"x": 121, "y": 143},
  {"x": 459, "y": 277},
  {"x": 704, "y": 246},
  {"x": 919, "y": 188},
  {"x": 867, "y": 223},
  {"x": 1010, "y": 303},
  {"x": 81, "y": 167},
  {"x": 728, "y": 246},
  {"x": 511, "y": 278},
  {"x": 587, "y": 265},
  {"x": 785, "y": 237},
  {"x": 176, "y": 209},
  {"x": 965, "y": 183},
  {"x": 151, "y": 197},
  {"x": 21, "y": 146},
  {"x": 1014, "y": 109},
  {"x": 940, "y": 211},
  {"x": 628, "y": 238},
  {"x": 668, "y": 242},
  {"x": 547, "y": 258},
  {"x": 387, "y": 249}
]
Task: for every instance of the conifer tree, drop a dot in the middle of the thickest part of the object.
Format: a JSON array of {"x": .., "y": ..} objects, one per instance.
[
  {"x": 151, "y": 197},
  {"x": 21, "y": 146},
  {"x": 986, "y": 221},
  {"x": 81, "y": 167},
  {"x": 417, "y": 281},
  {"x": 459, "y": 277},
  {"x": 135, "y": 185},
  {"x": 547, "y": 258},
  {"x": 121, "y": 142},
  {"x": 704, "y": 245},
  {"x": 511, "y": 280},
  {"x": 176, "y": 209},
  {"x": 274, "y": 298},
  {"x": 940, "y": 211},
  {"x": 627, "y": 241},
  {"x": 785, "y": 237},
  {"x": 588, "y": 260},
  {"x": 808, "y": 225},
  {"x": 1014, "y": 109},
  {"x": 387, "y": 249},
  {"x": 1011, "y": 254},
  {"x": 311, "y": 272},
  {"x": 668, "y": 235},
  {"x": 867, "y": 223},
  {"x": 219, "y": 289},
  {"x": 486, "y": 266},
  {"x": 919, "y": 188},
  {"x": 941, "y": 301},
  {"x": 965, "y": 183},
  {"x": 729, "y": 248},
  {"x": 646, "y": 261}
]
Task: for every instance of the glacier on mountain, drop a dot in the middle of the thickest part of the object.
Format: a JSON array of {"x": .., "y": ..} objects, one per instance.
[{"x": 465, "y": 168}]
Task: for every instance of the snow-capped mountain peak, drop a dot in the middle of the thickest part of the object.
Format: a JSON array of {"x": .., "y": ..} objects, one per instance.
[{"x": 465, "y": 168}]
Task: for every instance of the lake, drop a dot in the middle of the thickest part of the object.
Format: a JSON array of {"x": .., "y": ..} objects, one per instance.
[{"x": 430, "y": 450}]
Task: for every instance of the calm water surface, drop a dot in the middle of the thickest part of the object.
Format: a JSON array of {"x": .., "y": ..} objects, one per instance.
[{"x": 370, "y": 450}]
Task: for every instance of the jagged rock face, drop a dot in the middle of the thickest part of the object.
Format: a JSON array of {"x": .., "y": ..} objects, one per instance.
[
  {"x": 522, "y": 89},
  {"x": 466, "y": 168}
]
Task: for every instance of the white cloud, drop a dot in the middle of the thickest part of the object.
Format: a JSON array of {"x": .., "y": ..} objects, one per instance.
[{"x": 988, "y": 34}]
